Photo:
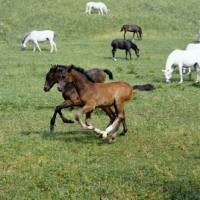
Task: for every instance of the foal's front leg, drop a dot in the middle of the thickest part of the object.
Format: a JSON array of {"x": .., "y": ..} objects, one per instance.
[
  {"x": 58, "y": 109},
  {"x": 86, "y": 109},
  {"x": 128, "y": 51}
]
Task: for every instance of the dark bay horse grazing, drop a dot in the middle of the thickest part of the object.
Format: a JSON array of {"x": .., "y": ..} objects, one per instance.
[
  {"x": 70, "y": 94},
  {"x": 94, "y": 95},
  {"x": 124, "y": 45},
  {"x": 132, "y": 28}
]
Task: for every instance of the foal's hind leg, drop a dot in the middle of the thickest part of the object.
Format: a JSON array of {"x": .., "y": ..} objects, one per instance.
[{"x": 124, "y": 128}]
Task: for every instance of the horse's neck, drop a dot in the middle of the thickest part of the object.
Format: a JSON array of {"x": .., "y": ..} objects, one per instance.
[
  {"x": 26, "y": 39},
  {"x": 80, "y": 81},
  {"x": 169, "y": 65}
]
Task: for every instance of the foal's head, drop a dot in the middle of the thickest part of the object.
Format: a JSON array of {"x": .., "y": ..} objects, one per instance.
[
  {"x": 53, "y": 76},
  {"x": 137, "y": 52},
  {"x": 66, "y": 77}
]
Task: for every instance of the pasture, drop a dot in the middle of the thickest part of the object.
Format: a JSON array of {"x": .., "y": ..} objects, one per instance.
[{"x": 159, "y": 156}]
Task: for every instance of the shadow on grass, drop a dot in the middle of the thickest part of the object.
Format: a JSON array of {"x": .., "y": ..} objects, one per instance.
[
  {"x": 120, "y": 58},
  {"x": 45, "y": 107},
  {"x": 68, "y": 137},
  {"x": 182, "y": 190}
]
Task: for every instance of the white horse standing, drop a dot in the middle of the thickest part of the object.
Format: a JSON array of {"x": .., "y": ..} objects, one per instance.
[
  {"x": 182, "y": 58},
  {"x": 96, "y": 6},
  {"x": 39, "y": 36}
]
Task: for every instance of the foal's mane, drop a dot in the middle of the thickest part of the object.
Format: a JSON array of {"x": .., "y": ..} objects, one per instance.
[{"x": 82, "y": 71}]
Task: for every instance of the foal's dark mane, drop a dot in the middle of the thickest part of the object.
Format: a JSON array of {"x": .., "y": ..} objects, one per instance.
[
  {"x": 133, "y": 44},
  {"x": 81, "y": 70}
]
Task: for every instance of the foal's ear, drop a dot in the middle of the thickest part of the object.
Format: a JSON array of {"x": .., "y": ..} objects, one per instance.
[{"x": 70, "y": 68}]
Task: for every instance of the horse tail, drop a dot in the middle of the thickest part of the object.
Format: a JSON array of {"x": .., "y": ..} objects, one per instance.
[
  {"x": 140, "y": 31},
  {"x": 107, "y": 71},
  {"x": 146, "y": 87},
  {"x": 122, "y": 28}
]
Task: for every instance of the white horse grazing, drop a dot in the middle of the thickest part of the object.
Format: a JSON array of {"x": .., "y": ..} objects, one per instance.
[
  {"x": 96, "y": 6},
  {"x": 182, "y": 58},
  {"x": 39, "y": 36}
]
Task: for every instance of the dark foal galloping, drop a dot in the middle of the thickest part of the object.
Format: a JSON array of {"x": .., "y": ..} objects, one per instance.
[
  {"x": 124, "y": 45},
  {"x": 132, "y": 28},
  {"x": 70, "y": 94}
]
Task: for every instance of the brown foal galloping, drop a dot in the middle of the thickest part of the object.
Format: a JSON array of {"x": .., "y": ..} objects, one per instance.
[{"x": 94, "y": 95}]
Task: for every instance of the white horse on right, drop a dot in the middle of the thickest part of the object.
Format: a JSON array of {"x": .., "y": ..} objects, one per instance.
[
  {"x": 96, "y": 6},
  {"x": 182, "y": 58},
  {"x": 189, "y": 47}
]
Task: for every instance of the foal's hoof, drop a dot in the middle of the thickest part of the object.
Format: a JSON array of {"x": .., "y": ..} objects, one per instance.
[
  {"x": 122, "y": 133},
  {"x": 114, "y": 59},
  {"x": 110, "y": 142},
  {"x": 51, "y": 128},
  {"x": 101, "y": 136},
  {"x": 69, "y": 121}
]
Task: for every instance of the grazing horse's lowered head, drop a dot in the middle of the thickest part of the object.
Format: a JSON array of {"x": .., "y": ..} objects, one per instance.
[{"x": 124, "y": 45}]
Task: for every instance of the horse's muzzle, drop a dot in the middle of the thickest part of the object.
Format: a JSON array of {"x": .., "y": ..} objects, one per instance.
[
  {"x": 59, "y": 89},
  {"x": 46, "y": 89}
]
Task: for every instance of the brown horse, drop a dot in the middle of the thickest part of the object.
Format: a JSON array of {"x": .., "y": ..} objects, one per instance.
[
  {"x": 94, "y": 95},
  {"x": 70, "y": 94},
  {"x": 134, "y": 29}
]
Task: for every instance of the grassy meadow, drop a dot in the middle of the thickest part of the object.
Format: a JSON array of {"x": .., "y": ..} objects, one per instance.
[{"x": 159, "y": 156}]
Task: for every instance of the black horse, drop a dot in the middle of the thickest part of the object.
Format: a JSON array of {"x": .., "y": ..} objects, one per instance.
[
  {"x": 124, "y": 44},
  {"x": 134, "y": 29}
]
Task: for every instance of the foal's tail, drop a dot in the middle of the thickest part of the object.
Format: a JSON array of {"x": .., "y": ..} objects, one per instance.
[
  {"x": 122, "y": 28},
  {"x": 146, "y": 87},
  {"x": 107, "y": 71}
]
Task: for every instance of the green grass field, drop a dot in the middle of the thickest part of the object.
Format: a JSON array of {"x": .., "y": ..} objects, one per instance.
[{"x": 159, "y": 156}]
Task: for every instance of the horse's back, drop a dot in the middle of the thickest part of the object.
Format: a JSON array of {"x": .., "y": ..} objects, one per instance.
[
  {"x": 186, "y": 57},
  {"x": 97, "y": 75},
  {"x": 193, "y": 46},
  {"x": 118, "y": 88}
]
